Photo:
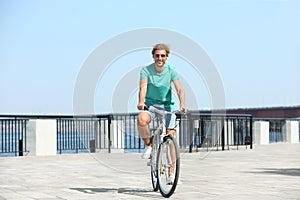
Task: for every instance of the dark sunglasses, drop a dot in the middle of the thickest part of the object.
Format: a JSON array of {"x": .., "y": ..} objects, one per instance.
[{"x": 161, "y": 55}]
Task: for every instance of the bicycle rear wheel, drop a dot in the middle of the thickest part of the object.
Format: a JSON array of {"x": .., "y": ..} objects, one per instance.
[
  {"x": 153, "y": 162},
  {"x": 168, "y": 166}
]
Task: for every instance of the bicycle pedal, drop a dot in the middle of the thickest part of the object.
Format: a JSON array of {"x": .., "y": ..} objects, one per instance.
[{"x": 166, "y": 138}]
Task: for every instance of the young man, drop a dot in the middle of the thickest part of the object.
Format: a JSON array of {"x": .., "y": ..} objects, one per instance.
[{"x": 156, "y": 89}]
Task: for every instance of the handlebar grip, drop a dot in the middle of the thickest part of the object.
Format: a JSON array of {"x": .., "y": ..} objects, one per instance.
[{"x": 146, "y": 107}]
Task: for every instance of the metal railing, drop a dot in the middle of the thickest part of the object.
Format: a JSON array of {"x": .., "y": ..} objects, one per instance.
[
  {"x": 76, "y": 134},
  {"x": 193, "y": 131},
  {"x": 129, "y": 139},
  {"x": 82, "y": 134},
  {"x": 276, "y": 131},
  {"x": 12, "y": 136},
  {"x": 219, "y": 131}
]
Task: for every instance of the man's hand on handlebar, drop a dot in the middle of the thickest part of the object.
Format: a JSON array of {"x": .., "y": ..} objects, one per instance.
[
  {"x": 141, "y": 106},
  {"x": 183, "y": 109}
]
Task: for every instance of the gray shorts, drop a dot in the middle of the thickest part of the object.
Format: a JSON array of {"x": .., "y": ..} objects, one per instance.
[{"x": 170, "y": 119}]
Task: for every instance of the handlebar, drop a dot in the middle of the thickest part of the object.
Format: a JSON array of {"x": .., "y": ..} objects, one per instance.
[{"x": 162, "y": 111}]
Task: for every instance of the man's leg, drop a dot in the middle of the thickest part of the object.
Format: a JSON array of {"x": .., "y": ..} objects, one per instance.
[
  {"x": 143, "y": 121},
  {"x": 172, "y": 151},
  {"x": 170, "y": 126}
]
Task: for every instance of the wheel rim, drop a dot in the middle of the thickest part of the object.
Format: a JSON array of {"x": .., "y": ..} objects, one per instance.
[
  {"x": 153, "y": 165},
  {"x": 168, "y": 162}
]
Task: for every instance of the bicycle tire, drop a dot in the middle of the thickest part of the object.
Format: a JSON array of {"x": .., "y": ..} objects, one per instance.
[
  {"x": 153, "y": 163},
  {"x": 163, "y": 166}
]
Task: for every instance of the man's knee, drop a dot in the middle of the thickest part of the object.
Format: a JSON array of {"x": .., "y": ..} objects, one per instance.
[{"x": 143, "y": 119}]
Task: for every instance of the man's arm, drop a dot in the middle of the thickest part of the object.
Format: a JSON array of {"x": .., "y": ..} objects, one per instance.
[
  {"x": 180, "y": 93},
  {"x": 142, "y": 94}
]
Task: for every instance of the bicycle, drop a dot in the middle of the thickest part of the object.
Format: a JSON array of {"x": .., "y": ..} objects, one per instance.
[{"x": 165, "y": 157}]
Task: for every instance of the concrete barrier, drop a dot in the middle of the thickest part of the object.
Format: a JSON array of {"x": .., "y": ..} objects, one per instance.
[
  {"x": 291, "y": 131},
  {"x": 261, "y": 132},
  {"x": 41, "y": 137}
]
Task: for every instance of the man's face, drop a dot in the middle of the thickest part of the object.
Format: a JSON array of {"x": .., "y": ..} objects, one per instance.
[{"x": 160, "y": 57}]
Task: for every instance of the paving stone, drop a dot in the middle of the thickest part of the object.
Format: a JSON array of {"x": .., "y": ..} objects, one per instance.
[{"x": 265, "y": 172}]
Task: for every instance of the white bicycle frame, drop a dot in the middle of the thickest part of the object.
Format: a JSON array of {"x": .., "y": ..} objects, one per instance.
[{"x": 160, "y": 113}]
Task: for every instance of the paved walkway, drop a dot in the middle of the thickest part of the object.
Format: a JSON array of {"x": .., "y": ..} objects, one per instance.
[{"x": 266, "y": 172}]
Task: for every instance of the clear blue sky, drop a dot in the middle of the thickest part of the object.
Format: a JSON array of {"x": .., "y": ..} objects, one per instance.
[{"x": 255, "y": 46}]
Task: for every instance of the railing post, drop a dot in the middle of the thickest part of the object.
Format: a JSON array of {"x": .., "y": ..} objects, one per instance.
[
  {"x": 222, "y": 134},
  {"x": 109, "y": 133},
  {"x": 190, "y": 128},
  {"x": 92, "y": 146},
  {"x": 251, "y": 133},
  {"x": 21, "y": 147}
]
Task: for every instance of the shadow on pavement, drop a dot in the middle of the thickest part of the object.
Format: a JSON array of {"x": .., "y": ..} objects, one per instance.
[
  {"x": 129, "y": 191},
  {"x": 280, "y": 171}
]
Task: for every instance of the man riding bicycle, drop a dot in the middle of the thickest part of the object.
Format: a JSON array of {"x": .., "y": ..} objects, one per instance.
[{"x": 156, "y": 89}]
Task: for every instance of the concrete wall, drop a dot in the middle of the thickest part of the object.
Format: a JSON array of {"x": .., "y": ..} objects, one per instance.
[
  {"x": 291, "y": 131},
  {"x": 41, "y": 137},
  {"x": 117, "y": 135},
  {"x": 261, "y": 132}
]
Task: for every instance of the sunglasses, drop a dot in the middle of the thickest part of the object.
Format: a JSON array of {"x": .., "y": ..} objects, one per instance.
[{"x": 161, "y": 55}]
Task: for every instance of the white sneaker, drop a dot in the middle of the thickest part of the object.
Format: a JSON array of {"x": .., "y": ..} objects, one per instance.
[
  {"x": 147, "y": 152},
  {"x": 170, "y": 179}
]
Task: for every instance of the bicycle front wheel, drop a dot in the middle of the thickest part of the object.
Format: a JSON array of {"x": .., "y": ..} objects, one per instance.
[{"x": 168, "y": 166}]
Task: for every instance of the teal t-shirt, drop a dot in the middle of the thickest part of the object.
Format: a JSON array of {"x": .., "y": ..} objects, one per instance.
[{"x": 159, "y": 85}]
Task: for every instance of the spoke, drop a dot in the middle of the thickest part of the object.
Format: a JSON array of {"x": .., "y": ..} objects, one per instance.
[{"x": 167, "y": 172}]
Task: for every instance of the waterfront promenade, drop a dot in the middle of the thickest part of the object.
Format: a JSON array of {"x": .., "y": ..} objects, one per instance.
[{"x": 265, "y": 172}]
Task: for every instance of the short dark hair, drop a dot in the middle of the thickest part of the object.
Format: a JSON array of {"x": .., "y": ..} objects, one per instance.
[{"x": 161, "y": 46}]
